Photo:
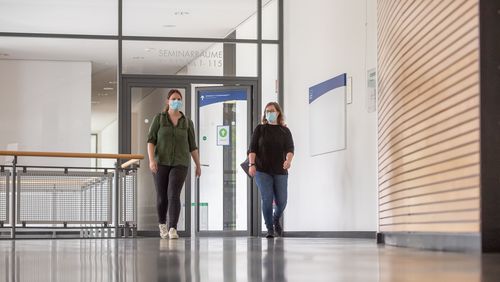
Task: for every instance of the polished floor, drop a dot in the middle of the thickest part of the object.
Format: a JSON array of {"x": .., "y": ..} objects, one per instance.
[{"x": 235, "y": 259}]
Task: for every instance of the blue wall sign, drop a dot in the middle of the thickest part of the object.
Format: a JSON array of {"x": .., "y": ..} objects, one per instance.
[
  {"x": 206, "y": 98},
  {"x": 319, "y": 89}
]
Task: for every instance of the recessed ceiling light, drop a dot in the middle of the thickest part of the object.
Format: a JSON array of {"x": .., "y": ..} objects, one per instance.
[
  {"x": 181, "y": 13},
  {"x": 169, "y": 25},
  {"x": 107, "y": 88}
]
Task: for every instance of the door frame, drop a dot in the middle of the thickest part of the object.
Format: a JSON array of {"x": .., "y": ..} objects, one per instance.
[
  {"x": 223, "y": 233},
  {"x": 128, "y": 81}
]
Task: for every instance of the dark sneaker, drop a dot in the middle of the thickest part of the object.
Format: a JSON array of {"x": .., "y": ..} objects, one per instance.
[
  {"x": 277, "y": 229},
  {"x": 270, "y": 234}
]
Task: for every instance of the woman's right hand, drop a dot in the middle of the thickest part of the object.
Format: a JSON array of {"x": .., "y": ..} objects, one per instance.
[
  {"x": 153, "y": 166},
  {"x": 252, "y": 170}
]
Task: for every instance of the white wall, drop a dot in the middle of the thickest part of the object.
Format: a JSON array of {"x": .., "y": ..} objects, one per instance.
[
  {"x": 45, "y": 106},
  {"x": 336, "y": 191},
  {"x": 108, "y": 143}
]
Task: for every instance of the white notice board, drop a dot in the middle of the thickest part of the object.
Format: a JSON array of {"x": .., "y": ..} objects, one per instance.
[{"x": 327, "y": 116}]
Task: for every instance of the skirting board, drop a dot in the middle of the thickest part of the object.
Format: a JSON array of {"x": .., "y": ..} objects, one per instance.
[
  {"x": 449, "y": 242},
  {"x": 290, "y": 234},
  {"x": 332, "y": 234}
]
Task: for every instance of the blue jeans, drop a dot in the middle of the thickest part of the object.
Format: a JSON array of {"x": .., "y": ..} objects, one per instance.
[{"x": 272, "y": 187}]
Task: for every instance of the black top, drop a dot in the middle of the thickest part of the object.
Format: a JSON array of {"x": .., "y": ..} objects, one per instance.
[{"x": 271, "y": 143}]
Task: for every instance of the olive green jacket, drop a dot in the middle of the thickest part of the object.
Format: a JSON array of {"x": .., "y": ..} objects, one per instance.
[{"x": 173, "y": 144}]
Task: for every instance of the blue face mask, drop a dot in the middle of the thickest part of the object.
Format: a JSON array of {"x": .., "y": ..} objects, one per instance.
[
  {"x": 271, "y": 116},
  {"x": 175, "y": 104}
]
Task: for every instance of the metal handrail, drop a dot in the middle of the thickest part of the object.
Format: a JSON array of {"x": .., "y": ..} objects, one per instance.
[
  {"x": 70, "y": 155},
  {"x": 133, "y": 159}
]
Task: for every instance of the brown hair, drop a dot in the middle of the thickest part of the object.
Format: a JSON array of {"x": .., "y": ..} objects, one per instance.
[
  {"x": 281, "y": 118},
  {"x": 170, "y": 93}
]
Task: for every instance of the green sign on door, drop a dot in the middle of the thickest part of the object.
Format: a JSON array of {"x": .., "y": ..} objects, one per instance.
[
  {"x": 223, "y": 132},
  {"x": 223, "y": 135}
]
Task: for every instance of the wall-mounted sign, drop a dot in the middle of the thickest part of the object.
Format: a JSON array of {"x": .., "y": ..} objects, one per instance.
[
  {"x": 327, "y": 103},
  {"x": 371, "y": 91},
  {"x": 223, "y": 135},
  {"x": 212, "y": 97}
]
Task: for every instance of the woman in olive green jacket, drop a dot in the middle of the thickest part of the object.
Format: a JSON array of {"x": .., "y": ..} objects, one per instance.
[{"x": 171, "y": 142}]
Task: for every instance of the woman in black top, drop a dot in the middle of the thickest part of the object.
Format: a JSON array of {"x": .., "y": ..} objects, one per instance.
[{"x": 270, "y": 157}]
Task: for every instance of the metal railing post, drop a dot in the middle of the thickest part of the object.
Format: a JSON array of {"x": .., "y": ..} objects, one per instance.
[
  {"x": 134, "y": 192},
  {"x": 123, "y": 204},
  {"x": 13, "y": 205},
  {"x": 116, "y": 199}
]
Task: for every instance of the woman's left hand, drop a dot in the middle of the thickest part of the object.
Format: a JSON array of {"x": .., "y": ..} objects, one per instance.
[
  {"x": 198, "y": 171},
  {"x": 287, "y": 164}
]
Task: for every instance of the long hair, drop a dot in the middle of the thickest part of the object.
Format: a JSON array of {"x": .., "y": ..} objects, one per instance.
[
  {"x": 281, "y": 118},
  {"x": 170, "y": 93}
]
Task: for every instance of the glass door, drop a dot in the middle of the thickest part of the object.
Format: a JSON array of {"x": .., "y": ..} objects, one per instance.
[{"x": 223, "y": 193}]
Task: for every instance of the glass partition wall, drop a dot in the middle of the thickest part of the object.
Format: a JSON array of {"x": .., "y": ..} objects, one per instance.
[{"x": 63, "y": 65}]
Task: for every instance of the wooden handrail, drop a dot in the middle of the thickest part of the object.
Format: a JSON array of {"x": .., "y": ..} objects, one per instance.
[
  {"x": 70, "y": 155},
  {"x": 130, "y": 162}
]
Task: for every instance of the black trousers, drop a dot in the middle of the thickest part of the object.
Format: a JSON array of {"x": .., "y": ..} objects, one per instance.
[{"x": 169, "y": 181}]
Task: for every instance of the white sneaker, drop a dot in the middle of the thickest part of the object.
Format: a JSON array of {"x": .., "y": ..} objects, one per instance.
[
  {"x": 163, "y": 231},
  {"x": 172, "y": 233}
]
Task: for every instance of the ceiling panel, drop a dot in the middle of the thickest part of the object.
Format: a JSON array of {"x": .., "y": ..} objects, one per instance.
[
  {"x": 188, "y": 18},
  {"x": 97, "y": 17}
]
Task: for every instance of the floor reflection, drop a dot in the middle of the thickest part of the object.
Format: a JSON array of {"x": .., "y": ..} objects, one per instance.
[
  {"x": 273, "y": 262},
  {"x": 403, "y": 264},
  {"x": 234, "y": 259}
]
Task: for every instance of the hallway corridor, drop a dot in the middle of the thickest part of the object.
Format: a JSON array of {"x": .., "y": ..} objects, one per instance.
[{"x": 235, "y": 259}]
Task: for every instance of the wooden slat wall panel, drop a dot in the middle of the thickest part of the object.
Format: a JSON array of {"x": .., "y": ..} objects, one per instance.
[
  {"x": 428, "y": 81},
  {"x": 456, "y": 184}
]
